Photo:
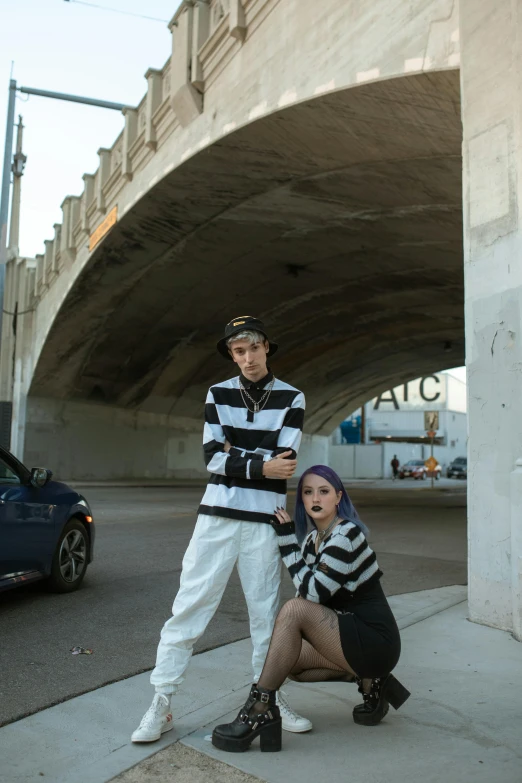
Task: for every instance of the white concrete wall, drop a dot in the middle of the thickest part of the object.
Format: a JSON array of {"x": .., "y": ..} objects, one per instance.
[
  {"x": 457, "y": 395},
  {"x": 314, "y": 451},
  {"x": 95, "y": 442},
  {"x": 365, "y": 462},
  {"x": 342, "y": 460}
]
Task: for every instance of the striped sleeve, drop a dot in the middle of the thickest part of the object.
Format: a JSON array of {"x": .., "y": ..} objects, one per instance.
[
  {"x": 347, "y": 557},
  {"x": 289, "y": 438},
  {"x": 234, "y": 464}
]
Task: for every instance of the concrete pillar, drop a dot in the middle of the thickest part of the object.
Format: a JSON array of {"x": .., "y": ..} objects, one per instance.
[
  {"x": 66, "y": 227},
  {"x": 48, "y": 258},
  {"x": 200, "y": 33},
  {"x": 491, "y": 79},
  {"x": 87, "y": 199},
  {"x": 130, "y": 134},
  {"x": 186, "y": 101},
  {"x": 103, "y": 175},
  {"x": 71, "y": 214},
  {"x": 57, "y": 243},
  {"x": 154, "y": 97},
  {"x": 41, "y": 277},
  {"x": 74, "y": 219},
  {"x": 237, "y": 22}
]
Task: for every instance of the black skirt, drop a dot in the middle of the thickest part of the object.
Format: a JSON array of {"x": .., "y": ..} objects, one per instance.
[{"x": 370, "y": 637}]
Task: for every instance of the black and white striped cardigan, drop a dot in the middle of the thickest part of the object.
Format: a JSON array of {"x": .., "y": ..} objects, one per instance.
[
  {"x": 237, "y": 488},
  {"x": 350, "y": 562}
]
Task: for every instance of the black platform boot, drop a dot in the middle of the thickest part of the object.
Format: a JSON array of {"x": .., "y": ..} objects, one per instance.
[
  {"x": 237, "y": 736},
  {"x": 383, "y": 692}
]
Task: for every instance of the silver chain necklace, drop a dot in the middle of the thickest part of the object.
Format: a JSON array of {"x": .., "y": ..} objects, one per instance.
[
  {"x": 323, "y": 533},
  {"x": 263, "y": 399}
]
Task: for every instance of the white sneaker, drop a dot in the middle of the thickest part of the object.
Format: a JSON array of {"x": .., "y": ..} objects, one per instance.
[
  {"x": 291, "y": 720},
  {"x": 155, "y": 722}
]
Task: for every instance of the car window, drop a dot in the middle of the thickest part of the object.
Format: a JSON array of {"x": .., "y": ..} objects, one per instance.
[{"x": 7, "y": 476}]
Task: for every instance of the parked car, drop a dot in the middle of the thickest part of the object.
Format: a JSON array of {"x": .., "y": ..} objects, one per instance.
[
  {"x": 415, "y": 468},
  {"x": 458, "y": 468},
  {"x": 46, "y": 528}
]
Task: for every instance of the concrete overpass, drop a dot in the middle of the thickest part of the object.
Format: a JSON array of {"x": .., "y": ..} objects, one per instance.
[{"x": 302, "y": 161}]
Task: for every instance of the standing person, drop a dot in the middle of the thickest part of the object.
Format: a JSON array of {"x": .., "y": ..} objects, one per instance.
[
  {"x": 340, "y": 625},
  {"x": 395, "y": 466},
  {"x": 253, "y": 427}
]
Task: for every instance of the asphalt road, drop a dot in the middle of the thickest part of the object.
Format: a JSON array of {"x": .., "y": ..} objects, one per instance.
[{"x": 419, "y": 537}]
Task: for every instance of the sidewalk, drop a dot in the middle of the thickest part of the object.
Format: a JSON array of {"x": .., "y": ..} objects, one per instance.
[{"x": 461, "y": 724}]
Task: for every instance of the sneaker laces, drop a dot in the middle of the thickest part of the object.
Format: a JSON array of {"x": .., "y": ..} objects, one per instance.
[
  {"x": 158, "y": 704},
  {"x": 285, "y": 707}
]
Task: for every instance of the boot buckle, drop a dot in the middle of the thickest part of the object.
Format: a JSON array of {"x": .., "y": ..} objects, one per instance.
[{"x": 265, "y": 698}]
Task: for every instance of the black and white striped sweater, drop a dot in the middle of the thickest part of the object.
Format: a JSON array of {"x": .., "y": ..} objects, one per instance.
[
  {"x": 237, "y": 488},
  {"x": 350, "y": 562}
]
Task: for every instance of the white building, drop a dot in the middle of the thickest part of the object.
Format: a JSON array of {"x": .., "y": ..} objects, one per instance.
[{"x": 394, "y": 423}]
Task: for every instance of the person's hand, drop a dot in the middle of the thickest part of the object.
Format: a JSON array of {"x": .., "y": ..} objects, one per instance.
[
  {"x": 280, "y": 468},
  {"x": 281, "y": 516},
  {"x": 227, "y": 446},
  {"x": 323, "y": 567}
]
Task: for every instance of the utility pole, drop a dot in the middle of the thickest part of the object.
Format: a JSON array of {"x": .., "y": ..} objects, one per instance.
[
  {"x": 18, "y": 166},
  {"x": 431, "y": 455},
  {"x": 8, "y": 153},
  {"x": 9, "y": 407},
  {"x": 4, "y": 193}
]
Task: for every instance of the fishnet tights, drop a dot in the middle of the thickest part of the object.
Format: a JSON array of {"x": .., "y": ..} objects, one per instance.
[{"x": 305, "y": 646}]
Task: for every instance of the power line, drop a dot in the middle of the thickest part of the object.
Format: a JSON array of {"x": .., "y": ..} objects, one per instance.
[{"x": 117, "y": 11}]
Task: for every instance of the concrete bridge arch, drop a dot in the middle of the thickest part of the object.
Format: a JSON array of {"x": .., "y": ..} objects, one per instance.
[
  {"x": 344, "y": 234},
  {"x": 268, "y": 150}
]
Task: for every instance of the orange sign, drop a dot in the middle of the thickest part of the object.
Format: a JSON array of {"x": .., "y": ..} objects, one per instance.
[
  {"x": 431, "y": 463},
  {"x": 104, "y": 228}
]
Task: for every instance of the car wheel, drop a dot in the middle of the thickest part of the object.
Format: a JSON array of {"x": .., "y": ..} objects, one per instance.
[{"x": 70, "y": 558}]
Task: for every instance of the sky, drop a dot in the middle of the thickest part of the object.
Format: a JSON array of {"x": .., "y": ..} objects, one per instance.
[
  {"x": 458, "y": 372},
  {"x": 74, "y": 48}
]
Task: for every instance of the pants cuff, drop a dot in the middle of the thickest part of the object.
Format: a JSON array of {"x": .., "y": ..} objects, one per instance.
[{"x": 167, "y": 689}]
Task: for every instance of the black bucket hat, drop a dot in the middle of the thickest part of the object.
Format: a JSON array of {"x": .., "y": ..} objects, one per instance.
[{"x": 243, "y": 323}]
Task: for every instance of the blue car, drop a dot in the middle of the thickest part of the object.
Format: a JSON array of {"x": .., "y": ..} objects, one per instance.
[{"x": 46, "y": 528}]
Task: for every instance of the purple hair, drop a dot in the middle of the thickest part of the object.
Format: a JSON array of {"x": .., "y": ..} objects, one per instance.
[{"x": 346, "y": 508}]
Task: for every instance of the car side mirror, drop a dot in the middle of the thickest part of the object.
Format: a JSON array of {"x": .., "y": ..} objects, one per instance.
[{"x": 40, "y": 477}]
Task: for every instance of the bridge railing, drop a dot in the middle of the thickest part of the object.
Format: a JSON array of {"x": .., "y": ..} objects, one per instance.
[{"x": 203, "y": 33}]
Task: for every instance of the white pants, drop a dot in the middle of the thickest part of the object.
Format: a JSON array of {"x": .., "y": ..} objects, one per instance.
[{"x": 215, "y": 547}]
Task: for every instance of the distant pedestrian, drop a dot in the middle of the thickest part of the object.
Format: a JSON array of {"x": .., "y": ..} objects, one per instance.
[{"x": 395, "y": 464}]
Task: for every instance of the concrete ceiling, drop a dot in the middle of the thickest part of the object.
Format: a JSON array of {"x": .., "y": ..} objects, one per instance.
[{"x": 338, "y": 221}]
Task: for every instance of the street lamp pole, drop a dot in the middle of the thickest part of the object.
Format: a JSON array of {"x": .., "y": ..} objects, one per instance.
[
  {"x": 8, "y": 157},
  {"x": 4, "y": 195},
  {"x": 15, "y": 165}
]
